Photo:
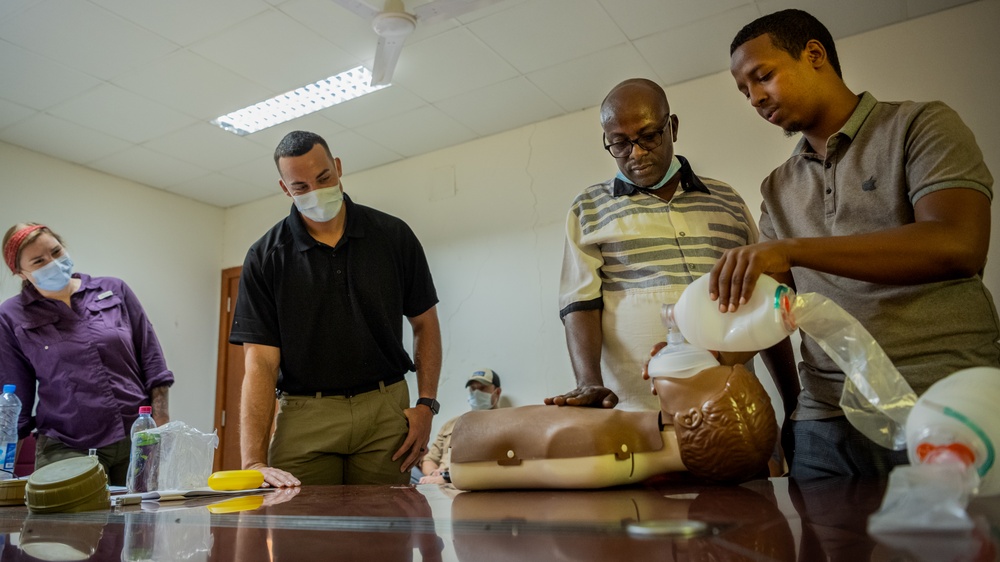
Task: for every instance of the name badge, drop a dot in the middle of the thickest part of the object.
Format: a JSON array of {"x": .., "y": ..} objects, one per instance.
[{"x": 104, "y": 295}]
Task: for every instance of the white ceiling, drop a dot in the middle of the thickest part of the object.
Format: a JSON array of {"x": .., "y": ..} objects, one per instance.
[{"x": 128, "y": 87}]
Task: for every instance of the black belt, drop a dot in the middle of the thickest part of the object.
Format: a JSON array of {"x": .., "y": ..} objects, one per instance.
[{"x": 352, "y": 391}]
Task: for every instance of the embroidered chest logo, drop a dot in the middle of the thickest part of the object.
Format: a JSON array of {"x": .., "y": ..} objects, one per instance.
[{"x": 868, "y": 184}]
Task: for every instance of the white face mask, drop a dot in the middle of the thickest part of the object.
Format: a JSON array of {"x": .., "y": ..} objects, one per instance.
[
  {"x": 479, "y": 400},
  {"x": 320, "y": 205}
]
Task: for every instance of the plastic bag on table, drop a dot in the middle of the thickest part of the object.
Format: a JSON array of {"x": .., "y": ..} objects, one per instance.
[
  {"x": 926, "y": 497},
  {"x": 174, "y": 456}
]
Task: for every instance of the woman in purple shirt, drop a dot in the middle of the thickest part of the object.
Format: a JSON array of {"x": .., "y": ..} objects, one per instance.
[{"x": 87, "y": 346}]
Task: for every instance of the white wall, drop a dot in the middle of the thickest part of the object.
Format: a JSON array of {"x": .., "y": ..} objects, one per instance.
[
  {"x": 167, "y": 248},
  {"x": 495, "y": 245}
]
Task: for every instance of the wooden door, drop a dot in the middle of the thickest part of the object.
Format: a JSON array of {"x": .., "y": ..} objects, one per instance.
[{"x": 229, "y": 379}]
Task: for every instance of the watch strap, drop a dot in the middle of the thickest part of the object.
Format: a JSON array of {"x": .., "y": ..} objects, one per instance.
[{"x": 430, "y": 403}]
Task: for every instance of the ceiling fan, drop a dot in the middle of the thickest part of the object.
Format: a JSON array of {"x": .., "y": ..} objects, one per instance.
[{"x": 394, "y": 24}]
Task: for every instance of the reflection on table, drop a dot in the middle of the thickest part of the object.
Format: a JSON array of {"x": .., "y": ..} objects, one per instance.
[{"x": 669, "y": 519}]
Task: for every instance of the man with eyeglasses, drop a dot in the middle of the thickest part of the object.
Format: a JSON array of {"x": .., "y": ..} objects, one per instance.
[{"x": 635, "y": 242}]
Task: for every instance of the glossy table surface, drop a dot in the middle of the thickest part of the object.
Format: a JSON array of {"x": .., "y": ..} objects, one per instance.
[{"x": 778, "y": 519}]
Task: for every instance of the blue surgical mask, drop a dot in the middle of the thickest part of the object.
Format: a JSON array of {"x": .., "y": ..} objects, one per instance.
[
  {"x": 479, "y": 400},
  {"x": 320, "y": 205},
  {"x": 675, "y": 165},
  {"x": 55, "y": 275}
]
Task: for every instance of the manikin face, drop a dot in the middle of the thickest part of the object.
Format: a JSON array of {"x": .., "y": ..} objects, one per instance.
[{"x": 780, "y": 87}]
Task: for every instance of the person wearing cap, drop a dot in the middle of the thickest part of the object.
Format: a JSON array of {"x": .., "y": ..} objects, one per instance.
[
  {"x": 323, "y": 295},
  {"x": 484, "y": 394},
  {"x": 88, "y": 347}
]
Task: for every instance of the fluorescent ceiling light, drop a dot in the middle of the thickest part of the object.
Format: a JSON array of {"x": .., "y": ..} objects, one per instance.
[{"x": 302, "y": 101}]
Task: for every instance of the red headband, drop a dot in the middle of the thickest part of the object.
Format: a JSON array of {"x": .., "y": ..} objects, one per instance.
[{"x": 14, "y": 244}]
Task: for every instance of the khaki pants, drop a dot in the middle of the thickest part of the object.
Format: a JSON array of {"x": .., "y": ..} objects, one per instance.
[
  {"x": 113, "y": 457},
  {"x": 338, "y": 440}
]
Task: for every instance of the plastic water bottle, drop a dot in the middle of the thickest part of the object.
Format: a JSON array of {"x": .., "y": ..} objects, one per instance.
[
  {"x": 678, "y": 359},
  {"x": 957, "y": 421},
  {"x": 10, "y": 411},
  {"x": 144, "y": 421},
  {"x": 756, "y": 325},
  {"x": 144, "y": 457}
]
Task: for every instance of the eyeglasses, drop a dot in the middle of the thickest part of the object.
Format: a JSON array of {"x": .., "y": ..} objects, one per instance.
[{"x": 649, "y": 141}]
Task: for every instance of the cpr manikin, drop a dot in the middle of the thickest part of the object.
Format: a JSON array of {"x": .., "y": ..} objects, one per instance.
[{"x": 717, "y": 424}]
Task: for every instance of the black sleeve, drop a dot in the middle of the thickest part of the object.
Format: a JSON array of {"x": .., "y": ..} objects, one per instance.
[{"x": 256, "y": 316}]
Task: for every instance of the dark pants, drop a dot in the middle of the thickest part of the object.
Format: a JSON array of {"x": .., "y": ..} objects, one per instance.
[
  {"x": 113, "y": 457},
  {"x": 832, "y": 447}
]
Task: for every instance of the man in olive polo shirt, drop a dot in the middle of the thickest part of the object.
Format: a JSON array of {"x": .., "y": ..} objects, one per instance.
[
  {"x": 884, "y": 207},
  {"x": 319, "y": 314}
]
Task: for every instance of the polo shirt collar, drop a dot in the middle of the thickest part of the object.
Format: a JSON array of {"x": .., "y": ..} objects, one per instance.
[
  {"x": 300, "y": 234},
  {"x": 866, "y": 104},
  {"x": 689, "y": 182}
]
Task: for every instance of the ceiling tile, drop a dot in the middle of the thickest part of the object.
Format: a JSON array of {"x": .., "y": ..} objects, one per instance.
[
  {"x": 449, "y": 64},
  {"x": 584, "y": 82},
  {"x": 11, "y": 113},
  {"x": 85, "y": 37},
  {"x": 639, "y": 18},
  {"x": 85, "y": 77},
  {"x": 207, "y": 147},
  {"x": 844, "y": 17},
  {"x": 219, "y": 190},
  {"x": 341, "y": 27},
  {"x": 535, "y": 35},
  {"x": 375, "y": 106},
  {"x": 121, "y": 113},
  {"x": 705, "y": 45},
  {"x": 148, "y": 167},
  {"x": 193, "y": 85},
  {"x": 173, "y": 19},
  {"x": 315, "y": 122},
  {"x": 274, "y": 50},
  {"x": 358, "y": 153},
  {"x": 419, "y": 131},
  {"x": 40, "y": 82},
  {"x": 917, "y": 8},
  {"x": 62, "y": 139},
  {"x": 488, "y": 10},
  {"x": 512, "y": 104},
  {"x": 12, "y": 7}
]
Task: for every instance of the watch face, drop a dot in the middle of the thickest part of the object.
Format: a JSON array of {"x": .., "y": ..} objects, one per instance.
[{"x": 430, "y": 403}]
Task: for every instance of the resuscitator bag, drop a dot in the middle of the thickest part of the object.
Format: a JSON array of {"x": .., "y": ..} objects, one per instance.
[
  {"x": 176, "y": 457},
  {"x": 950, "y": 444},
  {"x": 876, "y": 399}
]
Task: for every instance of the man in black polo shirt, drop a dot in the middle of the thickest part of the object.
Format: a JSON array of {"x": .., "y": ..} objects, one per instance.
[{"x": 319, "y": 314}]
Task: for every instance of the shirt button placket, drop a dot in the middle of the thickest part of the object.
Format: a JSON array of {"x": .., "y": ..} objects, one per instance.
[{"x": 829, "y": 180}]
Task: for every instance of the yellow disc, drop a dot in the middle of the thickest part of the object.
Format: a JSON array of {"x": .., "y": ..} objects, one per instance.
[{"x": 236, "y": 480}]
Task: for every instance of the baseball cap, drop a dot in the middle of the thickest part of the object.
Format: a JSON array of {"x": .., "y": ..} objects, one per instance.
[{"x": 485, "y": 376}]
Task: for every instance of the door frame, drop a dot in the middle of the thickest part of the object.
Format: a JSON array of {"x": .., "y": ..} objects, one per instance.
[{"x": 225, "y": 326}]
